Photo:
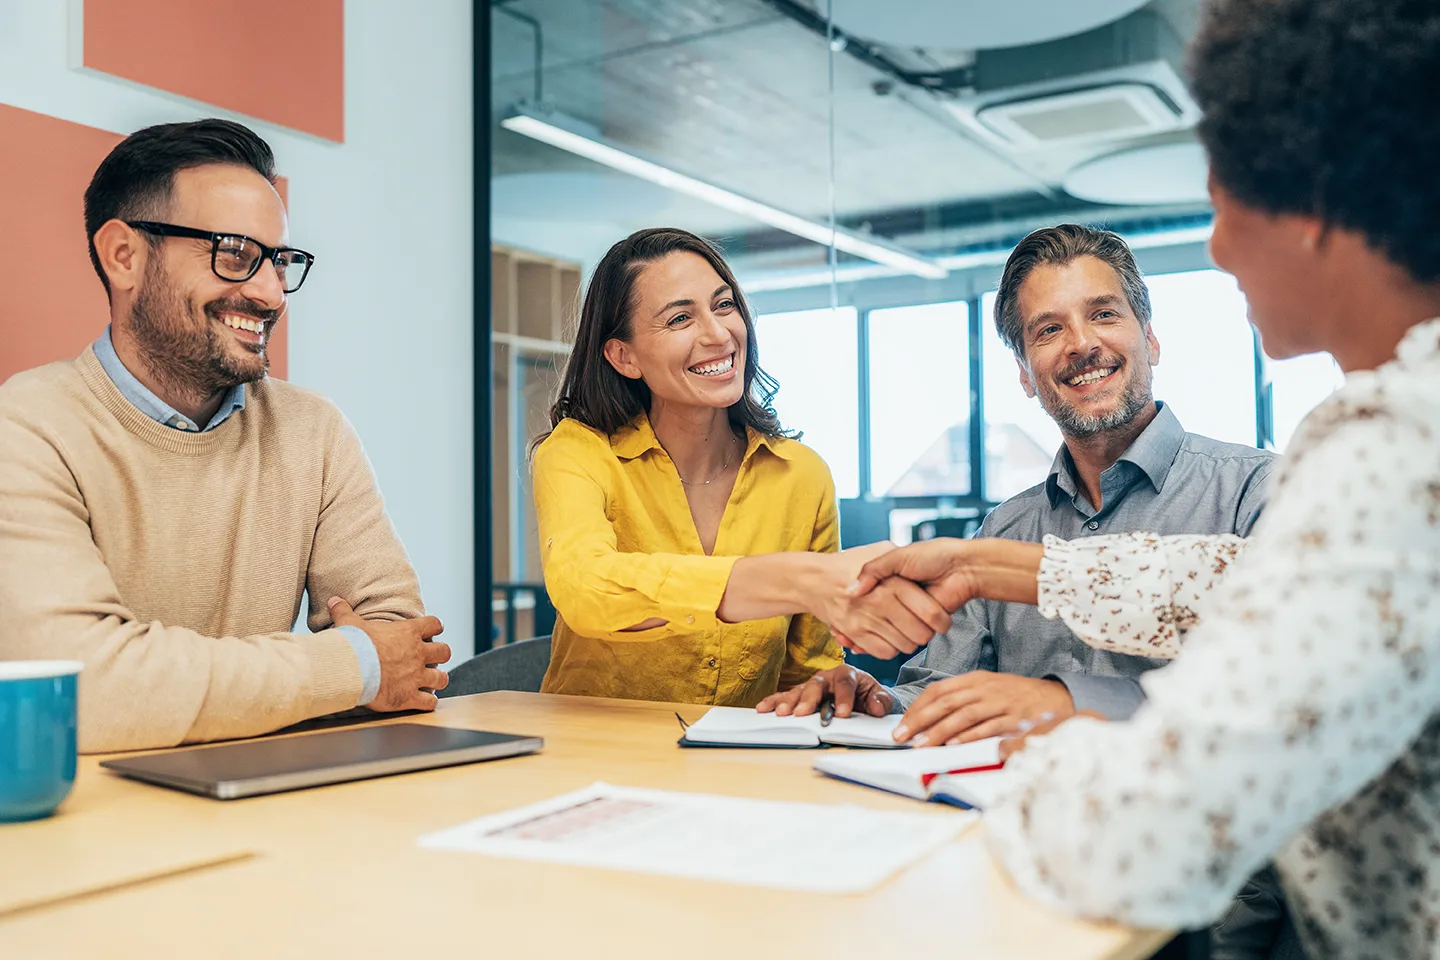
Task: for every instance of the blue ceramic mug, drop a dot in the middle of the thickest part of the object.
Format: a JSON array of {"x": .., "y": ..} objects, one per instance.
[{"x": 37, "y": 736}]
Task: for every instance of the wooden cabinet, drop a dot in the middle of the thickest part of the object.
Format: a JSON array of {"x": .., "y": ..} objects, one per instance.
[{"x": 535, "y": 301}]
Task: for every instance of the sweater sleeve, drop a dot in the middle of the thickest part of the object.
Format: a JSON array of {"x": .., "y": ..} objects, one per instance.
[
  {"x": 357, "y": 554},
  {"x": 145, "y": 684},
  {"x": 599, "y": 589}
]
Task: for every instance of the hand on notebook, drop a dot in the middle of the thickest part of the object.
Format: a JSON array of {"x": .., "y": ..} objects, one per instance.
[
  {"x": 980, "y": 704},
  {"x": 407, "y": 660},
  {"x": 1013, "y": 745},
  {"x": 851, "y": 690}
]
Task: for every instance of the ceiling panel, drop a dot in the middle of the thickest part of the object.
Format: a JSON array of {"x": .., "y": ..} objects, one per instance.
[{"x": 736, "y": 93}]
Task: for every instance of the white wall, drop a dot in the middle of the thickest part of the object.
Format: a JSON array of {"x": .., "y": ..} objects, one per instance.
[{"x": 384, "y": 325}]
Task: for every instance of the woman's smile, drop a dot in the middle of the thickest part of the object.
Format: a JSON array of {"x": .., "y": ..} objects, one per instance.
[{"x": 721, "y": 369}]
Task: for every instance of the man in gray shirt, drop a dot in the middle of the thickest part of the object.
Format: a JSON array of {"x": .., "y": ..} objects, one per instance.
[
  {"x": 1074, "y": 309},
  {"x": 1167, "y": 481}
]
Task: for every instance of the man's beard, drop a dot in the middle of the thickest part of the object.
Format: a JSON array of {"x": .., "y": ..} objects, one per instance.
[
  {"x": 193, "y": 360},
  {"x": 1135, "y": 397}
]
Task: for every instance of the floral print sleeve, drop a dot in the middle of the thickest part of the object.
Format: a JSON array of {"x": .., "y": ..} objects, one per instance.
[
  {"x": 1133, "y": 593},
  {"x": 1301, "y": 722}
]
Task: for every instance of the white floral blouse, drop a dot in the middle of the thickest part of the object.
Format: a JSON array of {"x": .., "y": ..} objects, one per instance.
[{"x": 1303, "y": 720}]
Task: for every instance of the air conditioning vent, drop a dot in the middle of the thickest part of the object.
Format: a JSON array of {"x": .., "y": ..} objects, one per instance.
[
  {"x": 1116, "y": 83},
  {"x": 1115, "y": 112}
]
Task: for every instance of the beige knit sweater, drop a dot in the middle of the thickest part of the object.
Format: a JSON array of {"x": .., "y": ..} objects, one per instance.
[{"x": 173, "y": 563}]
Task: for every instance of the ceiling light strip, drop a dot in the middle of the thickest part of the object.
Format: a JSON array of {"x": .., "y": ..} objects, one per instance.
[
  {"x": 769, "y": 282},
  {"x": 592, "y": 148}
]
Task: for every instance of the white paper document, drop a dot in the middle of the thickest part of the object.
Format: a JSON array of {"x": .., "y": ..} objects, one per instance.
[{"x": 769, "y": 843}]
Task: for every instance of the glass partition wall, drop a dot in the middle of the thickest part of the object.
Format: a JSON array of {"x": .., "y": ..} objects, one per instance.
[{"x": 866, "y": 169}]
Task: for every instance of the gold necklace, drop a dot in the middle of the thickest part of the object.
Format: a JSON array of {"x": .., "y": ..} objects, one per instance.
[{"x": 702, "y": 483}]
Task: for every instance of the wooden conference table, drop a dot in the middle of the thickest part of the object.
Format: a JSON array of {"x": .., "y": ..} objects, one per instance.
[{"x": 126, "y": 869}]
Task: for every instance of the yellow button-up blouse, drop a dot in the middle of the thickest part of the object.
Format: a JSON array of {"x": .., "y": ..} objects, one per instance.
[{"x": 619, "y": 547}]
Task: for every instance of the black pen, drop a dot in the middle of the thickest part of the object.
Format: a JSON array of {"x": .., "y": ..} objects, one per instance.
[{"x": 827, "y": 710}]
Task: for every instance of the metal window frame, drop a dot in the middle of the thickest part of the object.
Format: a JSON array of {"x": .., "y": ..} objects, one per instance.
[{"x": 482, "y": 372}]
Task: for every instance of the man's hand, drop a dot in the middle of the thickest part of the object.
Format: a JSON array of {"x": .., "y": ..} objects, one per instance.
[
  {"x": 1013, "y": 745},
  {"x": 407, "y": 660},
  {"x": 850, "y": 688},
  {"x": 980, "y": 704}
]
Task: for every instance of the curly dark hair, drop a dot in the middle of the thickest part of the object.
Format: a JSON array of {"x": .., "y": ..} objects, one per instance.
[
  {"x": 1330, "y": 109},
  {"x": 592, "y": 392}
]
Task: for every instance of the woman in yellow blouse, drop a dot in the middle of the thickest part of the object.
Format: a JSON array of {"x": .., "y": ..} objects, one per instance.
[{"x": 688, "y": 543}]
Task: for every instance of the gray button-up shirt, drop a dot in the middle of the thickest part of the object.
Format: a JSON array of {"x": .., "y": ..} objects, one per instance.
[{"x": 1168, "y": 482}]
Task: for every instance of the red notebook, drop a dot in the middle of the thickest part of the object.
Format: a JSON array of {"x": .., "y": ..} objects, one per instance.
[{"x": 968, "y": 775}]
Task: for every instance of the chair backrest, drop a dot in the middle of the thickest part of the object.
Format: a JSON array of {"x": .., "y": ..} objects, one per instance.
[{"x": 515, "y": 666}]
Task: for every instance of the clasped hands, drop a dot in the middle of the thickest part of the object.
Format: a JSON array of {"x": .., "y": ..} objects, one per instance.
[{"x": 900, "y": 597}]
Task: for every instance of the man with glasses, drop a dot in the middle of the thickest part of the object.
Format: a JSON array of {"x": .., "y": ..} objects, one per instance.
[{"x": 164, "y": 505}]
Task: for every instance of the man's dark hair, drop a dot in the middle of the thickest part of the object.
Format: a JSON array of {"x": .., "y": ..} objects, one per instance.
[
  {"x": 134, "y": 181},
  {"x": 1060, "y": 245},
  {"x": 1329, "y": 109}
]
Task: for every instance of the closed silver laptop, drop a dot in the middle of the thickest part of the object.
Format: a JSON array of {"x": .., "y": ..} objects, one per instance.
[{"x": 252, "y": 767}]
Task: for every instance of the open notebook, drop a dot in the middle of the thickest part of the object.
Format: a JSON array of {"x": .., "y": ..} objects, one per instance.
[
  {"x": 967, "y": 775},
  {"x": 743, "y": 727}
]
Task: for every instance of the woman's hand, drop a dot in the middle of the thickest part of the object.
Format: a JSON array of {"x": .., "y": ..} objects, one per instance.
[
  {"x": 946, "y": 566},
  {"x": 955, "y": 572},
  {"x": 893, "y": 618},
  {"x": 896, "y": 617}
]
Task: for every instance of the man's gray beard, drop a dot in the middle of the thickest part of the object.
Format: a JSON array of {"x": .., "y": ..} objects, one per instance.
[
  {"x": 193, "y": 361},
  {"x": 1073, "y": 423}
]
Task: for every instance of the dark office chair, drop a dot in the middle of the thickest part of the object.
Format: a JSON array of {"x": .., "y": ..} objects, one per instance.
[{"x": 515, "y": 666}]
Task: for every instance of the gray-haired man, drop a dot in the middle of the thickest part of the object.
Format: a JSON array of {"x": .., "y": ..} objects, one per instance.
[{"x": 1074, "y": 309}]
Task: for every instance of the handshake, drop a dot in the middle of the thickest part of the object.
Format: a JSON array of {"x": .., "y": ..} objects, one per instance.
[
  {"x": 900, "y": 597},
  {"x": 885, "y": 600}
]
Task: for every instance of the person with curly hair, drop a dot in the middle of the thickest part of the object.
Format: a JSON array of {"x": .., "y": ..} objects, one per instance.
[{"x": 1301, "y": 718}]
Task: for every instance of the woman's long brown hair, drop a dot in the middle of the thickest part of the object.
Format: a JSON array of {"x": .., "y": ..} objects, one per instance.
[{"x": 594, "y": 393}]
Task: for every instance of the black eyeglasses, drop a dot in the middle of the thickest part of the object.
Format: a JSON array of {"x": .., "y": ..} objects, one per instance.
[{"x": 237, "y": 258}]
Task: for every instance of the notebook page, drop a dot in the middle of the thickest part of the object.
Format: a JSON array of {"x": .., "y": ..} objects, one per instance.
[
  {"x": 862, "y": 730},
  {"x": 977, "y": 789},
  {"x": 903, "y": 772},
  {"x": 744, "y": 725}
]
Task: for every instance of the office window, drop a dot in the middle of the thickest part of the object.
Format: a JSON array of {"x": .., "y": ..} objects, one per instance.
[
  {"x": 1020, "y": 438},
  {"x": 813, "y": 355},
  {"x": 1207, "y": 353},
  {"x": 1297, "y": 386},
  {"x": 920, "y": 400}
]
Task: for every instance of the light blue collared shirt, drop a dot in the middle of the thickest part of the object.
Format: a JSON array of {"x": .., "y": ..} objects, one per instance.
[
  {"x": 152, "y": 406},
  {"x": 144, "y": 400}
]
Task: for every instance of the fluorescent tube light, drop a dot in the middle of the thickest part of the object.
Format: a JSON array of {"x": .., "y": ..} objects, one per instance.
[
  {"x": 855, "y": 273},
  {"x": 548, "y": 130}
]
